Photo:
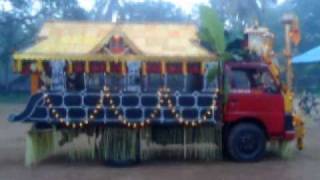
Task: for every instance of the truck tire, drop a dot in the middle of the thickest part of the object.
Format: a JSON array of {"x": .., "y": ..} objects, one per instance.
[{"x": 246, "y": 143}]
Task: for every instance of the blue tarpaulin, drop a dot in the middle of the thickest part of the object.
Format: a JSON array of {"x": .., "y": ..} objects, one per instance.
[{"x": 311, "y": 56}]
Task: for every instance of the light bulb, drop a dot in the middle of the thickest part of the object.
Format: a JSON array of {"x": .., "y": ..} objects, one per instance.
[
  {"x": 181, "y": 120},
  {"x": 142, "y": 124}
]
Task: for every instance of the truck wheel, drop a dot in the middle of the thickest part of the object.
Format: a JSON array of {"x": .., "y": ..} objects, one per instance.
[{"x": 246, "y": 143}]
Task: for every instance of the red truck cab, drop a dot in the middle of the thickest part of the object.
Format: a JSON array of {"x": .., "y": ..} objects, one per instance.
[{"x": 254, "y": 110}]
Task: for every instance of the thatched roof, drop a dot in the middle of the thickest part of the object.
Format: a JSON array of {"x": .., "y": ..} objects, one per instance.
[{"x": 82, "y": 40}]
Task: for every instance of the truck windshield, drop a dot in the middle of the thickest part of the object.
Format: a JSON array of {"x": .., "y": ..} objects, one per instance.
[{"x": 252, "y": 79}]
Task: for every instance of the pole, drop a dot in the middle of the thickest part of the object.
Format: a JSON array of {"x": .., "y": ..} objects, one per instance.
[{"x": 288, "y": 54}]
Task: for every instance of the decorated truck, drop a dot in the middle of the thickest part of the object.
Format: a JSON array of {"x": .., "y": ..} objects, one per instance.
[{"x": 141, "y": 92}]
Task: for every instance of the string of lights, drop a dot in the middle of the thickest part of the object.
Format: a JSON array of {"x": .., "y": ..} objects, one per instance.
[
  {"x": 165, "y": 96},
  {"x": 163, "y": 100},
  {"x": 82, "y": 123}
]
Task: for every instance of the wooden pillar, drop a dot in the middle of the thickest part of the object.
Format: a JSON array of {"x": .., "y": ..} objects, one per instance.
[
  {"x": 144, "y": 77},
  {"x": 124, "y": 76},
  {"x": 35, "y": 82},
  {"x": 164, "y": 73},
  {"x": 185, "y": 75},
  {"x": 204, "y": 78}
]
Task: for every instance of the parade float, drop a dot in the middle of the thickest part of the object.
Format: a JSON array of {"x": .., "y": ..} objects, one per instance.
[{"x": 141, "y": 92}]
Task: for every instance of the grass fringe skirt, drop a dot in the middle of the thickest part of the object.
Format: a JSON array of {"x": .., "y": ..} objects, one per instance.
[{"x": 120, "y": 144}]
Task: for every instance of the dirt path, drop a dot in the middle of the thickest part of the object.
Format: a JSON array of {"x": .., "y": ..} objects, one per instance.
[{"x": 304, "y": 165}]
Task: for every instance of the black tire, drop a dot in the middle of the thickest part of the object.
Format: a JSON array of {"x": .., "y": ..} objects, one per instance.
[
  {"x": 225, "y": 152},
  {"x": 246, "y": 143}
]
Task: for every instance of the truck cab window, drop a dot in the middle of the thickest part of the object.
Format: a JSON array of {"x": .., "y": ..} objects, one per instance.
[
  {"x": 240, "y": 80},
  {"x": 268, "y": 83},
  {"x": 252, "y": 79}
]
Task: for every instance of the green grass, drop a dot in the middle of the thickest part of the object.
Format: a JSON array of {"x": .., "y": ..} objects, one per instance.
[{"x": 9, "y": 97}]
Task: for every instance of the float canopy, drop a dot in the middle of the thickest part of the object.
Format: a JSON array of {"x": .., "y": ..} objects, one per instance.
[{"x": 85, "y": 41}]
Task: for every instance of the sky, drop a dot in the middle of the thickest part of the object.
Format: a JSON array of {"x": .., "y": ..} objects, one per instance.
[{"x": 186, "y": 5}]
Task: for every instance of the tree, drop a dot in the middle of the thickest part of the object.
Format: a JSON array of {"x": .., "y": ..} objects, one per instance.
[
  {"x": 239, "y": 13},
  {"x": 148, "y": 11},
  {"x": 308, "y": 12},
  {"x": 19, "y": 26},
  {"x": 106, "y": 9},
  {"x": 16, "y": 30}
]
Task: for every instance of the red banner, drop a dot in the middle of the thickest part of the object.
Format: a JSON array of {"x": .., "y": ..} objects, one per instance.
[
  {"x": 78, "y": 67},
  {"x": 154, "y": 67},
  {"x": 174, "y": 68},
  {"x": 97, "y": 67},
  {"x": 116, "y": 67},
  {"x": 194, "y": 68}
]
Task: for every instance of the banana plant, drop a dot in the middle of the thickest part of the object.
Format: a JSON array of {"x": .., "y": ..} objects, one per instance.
[
  {"x": 212, "y": 30},
  {"x": 213, "y": 36}
]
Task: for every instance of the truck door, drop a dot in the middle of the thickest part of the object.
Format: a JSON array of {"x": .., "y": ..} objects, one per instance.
[{"x": 253, "y": 94}]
